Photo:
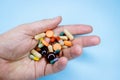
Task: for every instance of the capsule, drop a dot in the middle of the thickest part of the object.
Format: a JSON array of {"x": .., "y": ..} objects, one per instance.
[
  {"x": 68, "y": 34},
  {"x": 44, "y": 51},
  {"x": 54, "y": 60},
  {"x": 50, "y": 48},
  {"x": 33, "y": 57},
  {"x": 36, "y": 54},
  {"x": 45, "y": 43},
  {"x": 57, "y": 51},
  {"x": 68, "y": 43},
  {"x": 64, "y": 37},
  {"x": 62, "y": 34},
  {"x": 61, "y": 42},
  {"x": 37, "y": 49},
  {"x": 64, "y": 47},
  {"x": 50, "y": 56},
  {"x": 40, "y": 45},
  {"x": 37, "y": 37}
]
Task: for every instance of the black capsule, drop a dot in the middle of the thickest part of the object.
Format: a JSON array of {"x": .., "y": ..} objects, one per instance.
[
  {"x": 50, "y": 56},
  {"x": 44, "y": 51}
]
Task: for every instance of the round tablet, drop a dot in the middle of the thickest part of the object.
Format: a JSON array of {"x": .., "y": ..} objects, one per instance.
[
  {"x": 57, "y": 46},
  {"x": 49, "y": 33}
]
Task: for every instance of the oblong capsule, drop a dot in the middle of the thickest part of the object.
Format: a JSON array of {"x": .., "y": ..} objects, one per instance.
[
  {"x": 36, "y": 54},
  {"x": 50, "y": 48},
  {"x": 38, "y": 36},
  {"x": 68, "y": 34},
  {"x": 54, "y": 60},
  {"x": 57, "y": 51},
  {"x": 40, "y": 45},
  {"x": 68, "y": 43},
  {"x": 33, "y": 57},
  {"x": 64, "y": 37},
  {"x": 61, "y": 42},
  {"x": 64, "y": 47}
]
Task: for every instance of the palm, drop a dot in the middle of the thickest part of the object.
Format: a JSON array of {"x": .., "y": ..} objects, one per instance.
[{"x": 21, "y": 41}]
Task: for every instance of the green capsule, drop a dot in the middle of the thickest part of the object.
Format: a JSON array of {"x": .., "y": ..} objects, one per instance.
[
  {"x": 40, "y": 45},
  {"x": 62, "y": 34},
  {"x": 57, "y": 51},
  {"x": 54, "y": 60}
]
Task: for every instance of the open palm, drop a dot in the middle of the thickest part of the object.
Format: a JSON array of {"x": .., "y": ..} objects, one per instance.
[{"x": 16, "y": 45}]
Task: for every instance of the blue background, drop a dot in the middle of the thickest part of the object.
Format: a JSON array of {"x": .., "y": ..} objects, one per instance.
[{"x": 96, "y": 63}]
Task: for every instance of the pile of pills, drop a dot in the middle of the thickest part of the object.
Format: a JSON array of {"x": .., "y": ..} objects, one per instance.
[{"x": 50, "y": 45}]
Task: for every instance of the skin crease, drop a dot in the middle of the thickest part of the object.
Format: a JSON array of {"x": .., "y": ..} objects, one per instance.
[{"x": 17, "y": 43}]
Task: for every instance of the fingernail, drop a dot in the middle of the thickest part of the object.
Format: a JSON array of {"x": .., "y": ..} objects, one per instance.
[
  {"x": 95, "y": 40},
  {"x": 56, "y": 17}
]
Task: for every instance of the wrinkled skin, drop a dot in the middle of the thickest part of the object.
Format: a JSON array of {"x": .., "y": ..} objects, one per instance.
[{"x": 17, "y": 43}]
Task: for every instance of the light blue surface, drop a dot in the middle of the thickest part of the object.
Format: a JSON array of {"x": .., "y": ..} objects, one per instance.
[{"x": 96, "y": 63}]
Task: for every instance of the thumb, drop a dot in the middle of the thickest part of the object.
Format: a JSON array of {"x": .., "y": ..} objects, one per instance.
[{"x": 43, "y": 25}]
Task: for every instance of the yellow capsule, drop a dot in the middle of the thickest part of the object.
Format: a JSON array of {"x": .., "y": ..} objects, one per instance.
[
  {"x": 38, "y": 36},
  {"x": 36, "y": 54},
  {"x": 33, "y": 57},
  {"x": 36, "y": 59},
  {"x": 68, "y": 34}
]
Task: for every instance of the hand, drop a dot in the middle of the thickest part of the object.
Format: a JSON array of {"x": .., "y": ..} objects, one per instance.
[{"x": 16, "y": 44}]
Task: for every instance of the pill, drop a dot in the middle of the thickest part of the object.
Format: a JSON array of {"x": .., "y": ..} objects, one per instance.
[
  {"x": 50, "y": 56},
  {"x": 40, "y": 45},
  {"x": 54, "y": 60},
  {"x": 57, "y": 38},
  {"x": 52, "y": 39},
  {"x": 68, "y": 34},
  {"x": 62, "y": 34},
  {"x": 44, "y": 51},
  {"x": 49, "y": 33},
  {"x": 61, "y": 42},
  {"x": 64, "y": 37},
  {"x": 47, "y": 39},
  {"x": 37, "y": 37},
  {"x": 50, "y": 48},
  {"x": 56, "y": 46},
  {"x": 33, "y": 57},
  {"x": 68, "y": 43},
  {"x": 37, "y": 49},
  {"x": 55, "y": 35},
  {"x": 45, "y": 43},
  {"x": 36, "y": 54},
  {"x": 64, "y": 47},
  {"x": 57, "y": 51},
  {"x": 41, "y": 39}
]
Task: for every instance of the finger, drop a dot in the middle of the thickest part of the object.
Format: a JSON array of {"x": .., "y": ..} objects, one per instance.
[
  {"x": 40, "y": 67},
  {"x": 76, "y": 49},
  {"x": 86, "y": 41},
  {"x": 75, "y": 29},
  {"x": 43, "y": 25},
  {"x": 73, "y": 52},
  {"x": 58, "y": 66}
]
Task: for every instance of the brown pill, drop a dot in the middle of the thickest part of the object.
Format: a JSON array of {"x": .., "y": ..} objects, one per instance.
[{"x": 52, "y": 39}]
